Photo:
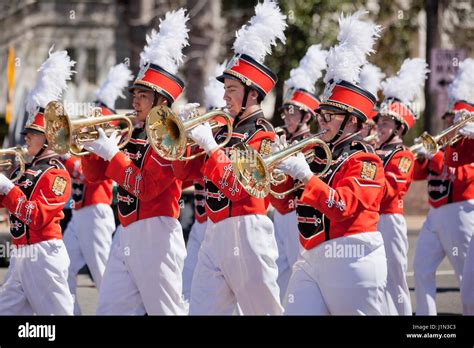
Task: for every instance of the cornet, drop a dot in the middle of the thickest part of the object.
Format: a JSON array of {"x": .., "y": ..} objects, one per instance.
[
  {"x": 447, "y": 137},
  {"x": 371, "y": 137},
  {"x": 66, "y": 135},
  {"x": 256, "y": 173},
  {"x": 7, "y": 164},
  {"x": 167, "y": 132}
]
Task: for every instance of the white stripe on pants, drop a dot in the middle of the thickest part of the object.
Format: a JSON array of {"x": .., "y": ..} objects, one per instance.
[
  {"x": 88, "y": 238},
  {"x": 394, "y": 232},
  {"x": 236, "y": 263},
  {"x": 446, "y": 232},
  {"x": 196, "y": 236},
  {"x": 144, "y": 271},
  {"x": 344, "y": 276},
  {"x": 36, "y": 281},
  {"x": 287, "y": 238}
]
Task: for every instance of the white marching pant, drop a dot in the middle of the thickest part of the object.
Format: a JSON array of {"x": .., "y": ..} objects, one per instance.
[
  {"x": 144, "y": 271},
  {"x": 196, "y": 236},
  {"x": 467, "y": 285},
  {"x": 287, "y": 238},
  {"x": 236, "y": 263},
  {"x": 393, "y": 228},
  {"x": 36, "y": 281},
  {"x": 88, "y": 238},
  {"x": 343, "y": 276},
  {"x": 446, "y": 231}
]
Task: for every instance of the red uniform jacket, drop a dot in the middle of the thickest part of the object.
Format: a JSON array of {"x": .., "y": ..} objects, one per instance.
[
  {"x": 147, "y": 185},
  {"x": 284, "y": 206},
  {"x": 398, "y": 166},
  {"x": 85, "y": 193},
  {"x": 37, "y": 200},
  {"x": 449, "y": 174},
  {"x": 225, "y": 197},
  {"x": 346, "y": 200}
]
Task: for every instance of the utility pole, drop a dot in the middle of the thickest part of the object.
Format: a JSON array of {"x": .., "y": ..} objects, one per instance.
[{"x": 432, "y": 41}]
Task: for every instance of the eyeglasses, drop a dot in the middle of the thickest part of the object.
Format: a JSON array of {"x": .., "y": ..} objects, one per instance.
[{"x": 328, "y": 117}]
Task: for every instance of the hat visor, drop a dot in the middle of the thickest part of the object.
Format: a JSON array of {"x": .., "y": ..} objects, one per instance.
[
  {"x": 31, "y": 131},
  {"x": 224, "y": 76},
  {"x": 337, "y": 109},
  {"x": 140, "y": 87},
  {"x": 329, "y": 108}
]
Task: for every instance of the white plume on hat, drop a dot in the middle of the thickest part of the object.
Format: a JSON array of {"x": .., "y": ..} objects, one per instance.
[
  {"x": 117, "y": 79},
  {"x": 214, "y": 91},
  {"x": 370, "y": 78},
  {"x": 356, "y": 39},
  {"x": 309, "y": 70},
  {"x": 462, "y": 87},
  {"x": 408, "y": 82},
  {"x": 51, "y": 81},
  {"x": 164, "y": 48},
  {"x": 256, "y": 38}
]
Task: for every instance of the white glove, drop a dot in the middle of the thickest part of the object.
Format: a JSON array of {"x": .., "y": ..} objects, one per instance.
[
  {"x": 279, "y": 143},
  {"x": 188, "y": 110},
  {"x": 105, "y": 147},
  {"x": 203, "y": 136},
  {"x": 5, "y": 185},
  {"x": 421, "y": 151},
  {"x": 296, "y": 167}
]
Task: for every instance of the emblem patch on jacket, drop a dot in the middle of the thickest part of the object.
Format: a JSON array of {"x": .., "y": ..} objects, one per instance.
[
  {"x": 368, "y": 170},
  {"x": 59, "y": 186},
  {"x": 404, "y": 164}
]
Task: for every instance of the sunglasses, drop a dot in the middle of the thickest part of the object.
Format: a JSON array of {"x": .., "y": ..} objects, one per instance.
[{"x": 328, "y": 117}]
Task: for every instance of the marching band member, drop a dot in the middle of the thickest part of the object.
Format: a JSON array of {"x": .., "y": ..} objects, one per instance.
[
  {"x": 298, "y": 110},
  {"x": 144, "y": 271},
  {"x": 236, "y": 262},
  {"x": 449, "y": 224},
  {"x": 88, "y": 236},
  {"x": 36, "y": 281},
  {"x": 214, "y": 97},
  {"x": 395, "y": 118},
  {"x": 342, "y": 269}
]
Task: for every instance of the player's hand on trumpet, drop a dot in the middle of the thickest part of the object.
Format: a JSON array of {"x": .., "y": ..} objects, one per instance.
[
  {"x": 202, "y": 135},
  {"x": 421, "y": 151},
  {"x": 295, "y": 166},
  {"x": 104, "y": 146},
  {"x": 5, "y": 184}
]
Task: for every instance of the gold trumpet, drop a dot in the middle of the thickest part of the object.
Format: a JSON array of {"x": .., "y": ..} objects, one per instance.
[
  {"x": 256, "y": 174},
  {"x": 66, "y": 135},
  {"x": 167, "y": 132},
  {"x": 6, "y": 165},
  {"x": 447, "y": 137},
  {"x": 372, "y": 137}
]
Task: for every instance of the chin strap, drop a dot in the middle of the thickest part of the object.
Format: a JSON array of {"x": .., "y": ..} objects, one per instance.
[
  {"x": 40, "y": 152},
  {"x": 394, "y": 133},
  {"x": 341, "y": 129},
  {"x": 244, "y": 101}
]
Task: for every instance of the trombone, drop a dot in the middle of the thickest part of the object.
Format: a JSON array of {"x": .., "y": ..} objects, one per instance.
[
  {"x": 256, "y": 173},
  {"x": 19, "y": 153},
  {"x": 167, "y": 132},
  {"x": 66, "y": 135},
  {"x": 447, "y": 137}
]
